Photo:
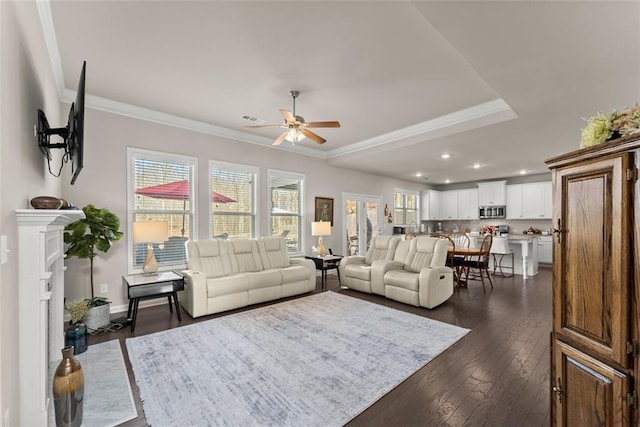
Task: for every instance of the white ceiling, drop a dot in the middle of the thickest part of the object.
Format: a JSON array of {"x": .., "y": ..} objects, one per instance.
[{"x": 503, "y": 84}]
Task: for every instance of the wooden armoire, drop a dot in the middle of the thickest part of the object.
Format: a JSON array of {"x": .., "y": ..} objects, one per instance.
[{"x": 594, "y": 342}]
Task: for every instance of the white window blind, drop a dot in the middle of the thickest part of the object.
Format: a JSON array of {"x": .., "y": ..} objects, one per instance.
[
  {"x": 286, "y": 195},
  {"x": 162, "y": 188},
  {"x": 233, "y": 204}
]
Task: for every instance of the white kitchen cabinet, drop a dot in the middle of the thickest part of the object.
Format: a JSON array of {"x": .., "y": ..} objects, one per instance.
[
  {"x": 529, "y": 201},
  {"x": 547, "y": 199},
  {"x": 492, "y": 193},
  {"x": 468, "y": 204},
  {"x": 429, "y": 205},
  {"x": 545, "y": 249},
  {"x": 449, "y": 204},
  {"x": 536, "y": 200},
  {"x": 514, "y": 202}
]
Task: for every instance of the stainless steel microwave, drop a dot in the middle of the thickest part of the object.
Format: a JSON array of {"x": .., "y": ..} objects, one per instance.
[{"x": 488, "y": 212}]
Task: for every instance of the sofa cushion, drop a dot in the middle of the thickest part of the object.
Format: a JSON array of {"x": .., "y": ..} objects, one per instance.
[
  {"x": 402, "y": 279},
  {"x": 402, "y": 251},
  {"x": 426, "y": 252},
  {"x": 245, "y": 256},
  {"x": 264, "y": 279},
  {"x": 382, "y": 247},
  {"x": 210, "y": 257},
  {"x": 359, "y": 271},
  {"x": 294, "y": 273},
  {"x": 273, "y": 252},
  {"x": 227, "y": 285}
]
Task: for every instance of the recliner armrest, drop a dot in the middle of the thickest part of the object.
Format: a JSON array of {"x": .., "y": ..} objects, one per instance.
[
  {"x": 436, "y": 285},
  {"x": 194, "y": 296},
  {"x": 351, "y": 259}
]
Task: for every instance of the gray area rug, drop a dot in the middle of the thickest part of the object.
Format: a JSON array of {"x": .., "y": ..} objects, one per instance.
[
  {"x": 108, "y": 400},
  {"x": 314, "y": 361}
]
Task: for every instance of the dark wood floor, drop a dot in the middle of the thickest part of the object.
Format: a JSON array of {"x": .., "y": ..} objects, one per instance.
[{"x": 497, "y": 375}]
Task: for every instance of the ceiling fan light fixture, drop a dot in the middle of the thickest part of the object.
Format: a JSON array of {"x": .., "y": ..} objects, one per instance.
[{"x": 294, "y": 135}]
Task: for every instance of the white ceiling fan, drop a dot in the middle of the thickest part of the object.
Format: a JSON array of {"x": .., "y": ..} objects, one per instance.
[{"x": 296, "y": 128}]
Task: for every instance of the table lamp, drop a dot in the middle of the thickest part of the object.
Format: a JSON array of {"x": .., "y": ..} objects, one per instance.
[
  {"x": 150, "y": 232},
  {"x": 321, "y": 228}
]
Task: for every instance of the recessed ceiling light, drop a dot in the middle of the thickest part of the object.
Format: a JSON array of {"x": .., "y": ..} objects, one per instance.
[
  {"x": 523, "y": 172},
  {"x": 445, "y": 155},
  {"x": 447, "y": 181},
  {"x": 476, "y": 165},
  {"x": 418, "y": 174}
]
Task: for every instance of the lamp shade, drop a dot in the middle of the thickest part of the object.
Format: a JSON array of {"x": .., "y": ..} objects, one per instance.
[
  {"x": 150, "y": 231},
  {"x": 321, "y": 228}
]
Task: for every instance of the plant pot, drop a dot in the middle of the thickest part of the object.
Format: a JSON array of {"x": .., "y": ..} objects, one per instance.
[
  {"x": 76, "y": 336},
  {"x": 97, "y": 317}
]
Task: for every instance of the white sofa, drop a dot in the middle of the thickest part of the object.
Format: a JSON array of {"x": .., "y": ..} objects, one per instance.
[
  {"x": 226, "y": 274},
  {"x": 411, "y": 271}
]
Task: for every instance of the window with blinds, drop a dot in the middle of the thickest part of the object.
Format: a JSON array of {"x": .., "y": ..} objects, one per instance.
[
  {"x": 162, "y": 189},
  {"x": 285, "y": 210},
  {"x": 233, "y": 204},
  {"x": 405, "y": 205}
]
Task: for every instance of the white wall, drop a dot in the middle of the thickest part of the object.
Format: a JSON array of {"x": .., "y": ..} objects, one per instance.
[
  {"x": 26, "y": 84},
  {"x": 103, "y": 182}
]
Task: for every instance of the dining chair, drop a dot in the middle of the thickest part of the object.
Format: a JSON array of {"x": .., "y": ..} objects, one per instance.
[
  {"x": 500, "y": 248},
  {"x": 477, "y": 266},
  {"x": 451, "y": 258},
  {"x": 461, "y": 240}
]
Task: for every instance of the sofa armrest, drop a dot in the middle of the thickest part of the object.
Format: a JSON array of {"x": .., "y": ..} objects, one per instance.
[
  {"x": 351, "y": 259},
  {"x": 436, "y": 286},
  {"x": 194, "y": 296},
  {"x": 378, "y": 270},
  {"x": 311, "y": 266}
]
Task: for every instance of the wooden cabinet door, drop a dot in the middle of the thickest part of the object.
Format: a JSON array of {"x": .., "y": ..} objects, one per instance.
[
  {"x": 586, "y": 392},
  {"x": 592, "y": 267}
]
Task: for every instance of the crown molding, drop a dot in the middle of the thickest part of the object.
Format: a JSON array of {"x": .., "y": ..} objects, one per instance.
[
  {"x": 480, "y": 115},
  {"x": 51, "y": 42}
]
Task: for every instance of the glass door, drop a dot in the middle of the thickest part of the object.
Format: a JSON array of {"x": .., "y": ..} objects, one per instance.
[{"x": 363, "y": 220}]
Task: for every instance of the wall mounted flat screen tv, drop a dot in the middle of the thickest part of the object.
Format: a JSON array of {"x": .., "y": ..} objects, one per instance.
[{"x": 72, "y": 134}]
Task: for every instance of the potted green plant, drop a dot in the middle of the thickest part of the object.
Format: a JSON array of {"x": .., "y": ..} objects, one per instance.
[
  {"x": 96, "y": 232},
  {"x": 75, "y": 334}
]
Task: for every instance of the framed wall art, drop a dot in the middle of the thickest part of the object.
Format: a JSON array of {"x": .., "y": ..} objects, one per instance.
[{"x": 324, "y": 209}]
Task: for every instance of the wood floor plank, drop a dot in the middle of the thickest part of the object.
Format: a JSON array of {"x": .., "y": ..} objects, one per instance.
[{"x": 497, "y": 375}]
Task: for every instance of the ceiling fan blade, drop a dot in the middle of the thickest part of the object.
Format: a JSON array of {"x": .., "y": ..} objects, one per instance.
[
  {"x": 264, "y": 126},
  {"x": 331, "y": 124},
  {"x": 312, "y": 136},
  {"x": 288, "y": 116},
  {"x": 279, "y": 140}
]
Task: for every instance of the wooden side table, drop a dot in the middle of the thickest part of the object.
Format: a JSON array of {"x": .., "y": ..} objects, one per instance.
[
  {"x": 152, "y": 286},
  {"x": 324, "y": 264}
]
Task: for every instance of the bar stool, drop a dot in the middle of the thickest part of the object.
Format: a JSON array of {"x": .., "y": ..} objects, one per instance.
[{"x": 500, "y": 246}]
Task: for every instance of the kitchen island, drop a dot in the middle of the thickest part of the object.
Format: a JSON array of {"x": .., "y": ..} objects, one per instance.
[{"x": 525, "y": 254}]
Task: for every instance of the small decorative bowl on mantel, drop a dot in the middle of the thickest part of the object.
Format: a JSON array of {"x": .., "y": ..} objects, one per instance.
[{"x": 46, "y": 202}]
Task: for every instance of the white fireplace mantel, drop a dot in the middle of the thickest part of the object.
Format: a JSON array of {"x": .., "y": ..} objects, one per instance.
[{"x": 40, "y": 305}]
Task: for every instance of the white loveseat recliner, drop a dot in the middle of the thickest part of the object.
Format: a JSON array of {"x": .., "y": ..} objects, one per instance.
[
  {"x": 416, "y": 273},
  {"x": 226, "y": 274}
]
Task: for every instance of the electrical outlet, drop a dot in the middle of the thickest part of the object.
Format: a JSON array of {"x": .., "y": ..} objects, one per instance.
[{"x": 104, "y": 288}]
